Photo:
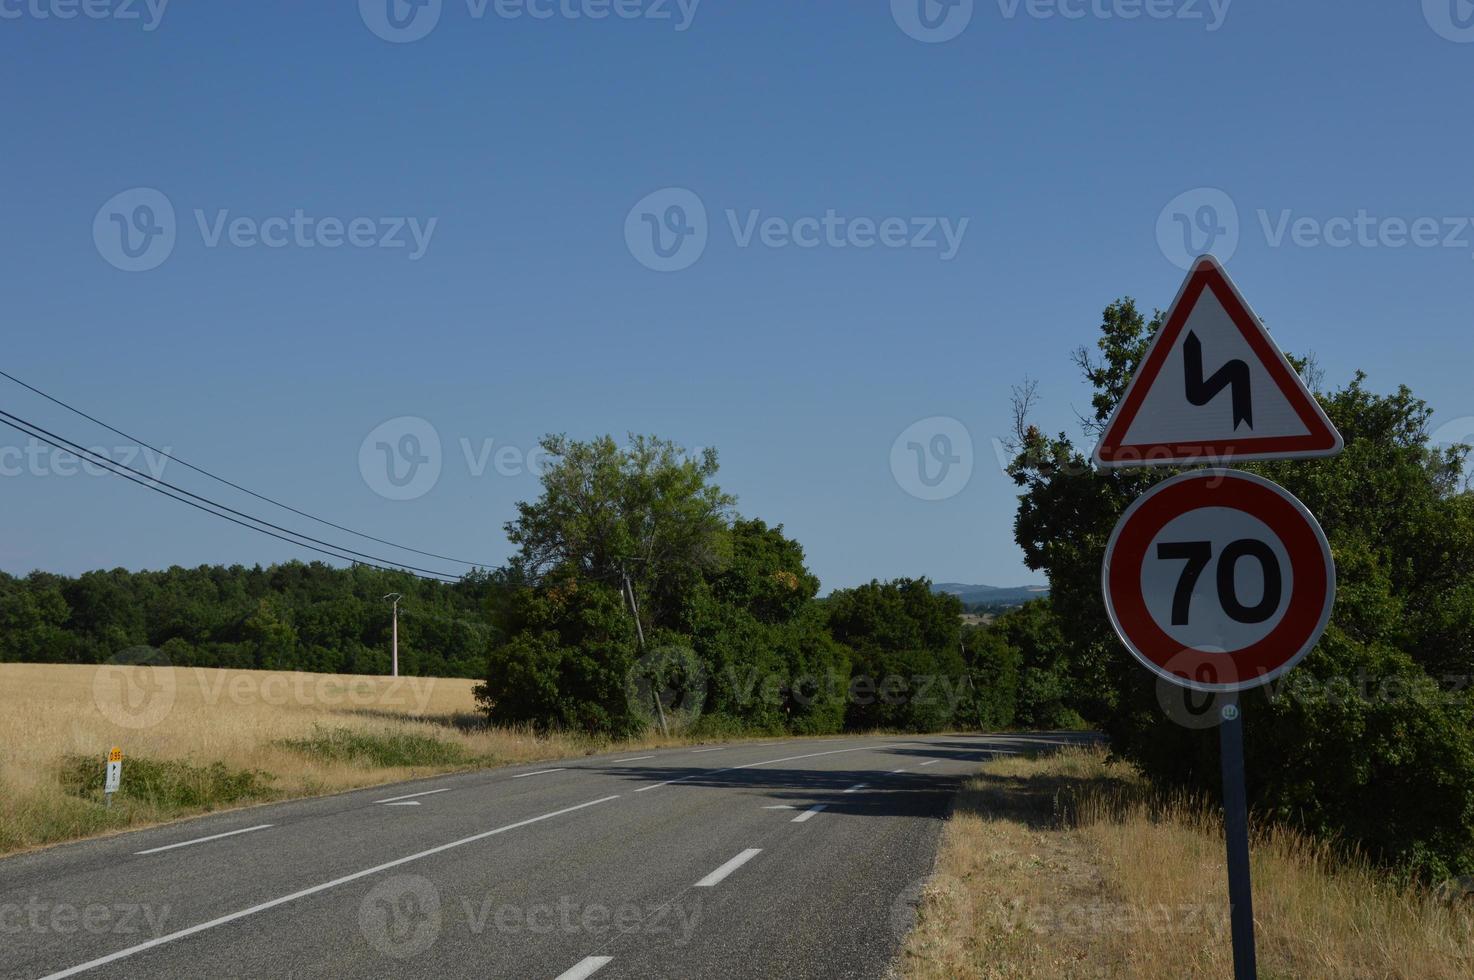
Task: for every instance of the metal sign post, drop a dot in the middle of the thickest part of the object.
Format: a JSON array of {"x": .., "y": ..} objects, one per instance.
[{"x": 1236, "y": 835}]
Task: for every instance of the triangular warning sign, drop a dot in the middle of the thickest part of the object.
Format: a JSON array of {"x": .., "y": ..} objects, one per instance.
[{"x": 1214, "y": 387}]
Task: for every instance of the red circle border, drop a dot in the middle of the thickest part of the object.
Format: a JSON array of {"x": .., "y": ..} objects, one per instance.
[{"x": 1312, "y": 593}]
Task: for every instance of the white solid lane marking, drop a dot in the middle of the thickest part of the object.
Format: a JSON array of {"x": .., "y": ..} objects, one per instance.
[
  {"x": 804, "y": 817},
  {"x": 717, "y": 749},
  {"x": 410, "y": 796},
  {"x": 635, "y": 758},
  {"x": 766, "y": 762},
  {"x": 586, "y": 967},
  {"x": 781, "y": 806},
  {"x": 540, "y": 772},
  {"x": 857, "y": 787},
  {"x": 201, "y": 840},
  {"x": 716, "y": 877},
  {"x": 273, "y": 903},
  {"x": 404, "y": 803},
  {"x": 931, "y": 763},
  {"x": 895, "y": 772}
]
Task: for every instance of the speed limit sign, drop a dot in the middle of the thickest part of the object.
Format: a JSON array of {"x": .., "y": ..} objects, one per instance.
[{"x": 1218, "y": 580}]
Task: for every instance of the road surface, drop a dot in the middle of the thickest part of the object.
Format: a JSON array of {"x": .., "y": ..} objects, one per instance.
[{"x": 791, "y": 858}]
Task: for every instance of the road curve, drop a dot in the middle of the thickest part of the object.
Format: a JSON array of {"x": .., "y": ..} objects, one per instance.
[{"x": 791, "y": 858}]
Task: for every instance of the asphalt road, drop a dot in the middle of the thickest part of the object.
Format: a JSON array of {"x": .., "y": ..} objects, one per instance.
[{"x": 793, "y": 858}]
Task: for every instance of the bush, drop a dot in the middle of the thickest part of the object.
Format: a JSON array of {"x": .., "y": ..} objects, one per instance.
[
  {"x": 381, "y": 750},
  {"x": 168, "y": 784}
]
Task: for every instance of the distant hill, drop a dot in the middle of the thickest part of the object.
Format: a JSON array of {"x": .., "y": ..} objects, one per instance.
[{"x": 992, "y": 595}]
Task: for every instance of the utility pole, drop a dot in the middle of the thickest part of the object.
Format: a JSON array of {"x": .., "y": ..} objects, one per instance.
[
  {"x": 629, "y": 591},
  {"x": 395, "y": 655},
  {"x": 967, "y": 666}
]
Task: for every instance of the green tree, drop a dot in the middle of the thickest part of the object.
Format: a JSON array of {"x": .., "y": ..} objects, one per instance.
[
  {"x": 906, "y": 661},
  {"x": 648, "y": 509},
  {"x": 993, "y": 667}
]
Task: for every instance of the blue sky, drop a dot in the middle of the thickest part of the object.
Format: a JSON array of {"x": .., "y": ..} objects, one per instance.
[{"x": 1065, "y": 143}]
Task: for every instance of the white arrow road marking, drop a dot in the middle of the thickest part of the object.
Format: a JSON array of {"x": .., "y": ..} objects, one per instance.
[
  {"x": 717, "y": 876},
  {"x": 201, "y": 840},
  {"x": 410, "y": 796},
  {"x": 586, "y": 967},
  {"x": 303, "y": 893},
  {"x": 804, "y": 817}
]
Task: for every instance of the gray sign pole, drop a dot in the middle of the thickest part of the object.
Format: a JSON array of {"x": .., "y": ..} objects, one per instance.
[{"x": 1236, "y": 833}]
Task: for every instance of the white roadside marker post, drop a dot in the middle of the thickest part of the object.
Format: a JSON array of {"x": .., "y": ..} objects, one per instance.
[{"x": 114, "y": 775}]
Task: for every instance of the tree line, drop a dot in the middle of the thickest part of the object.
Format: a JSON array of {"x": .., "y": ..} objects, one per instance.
[
  {"x": 637, "y": 597},
  {"x": 294, "y": 616}
]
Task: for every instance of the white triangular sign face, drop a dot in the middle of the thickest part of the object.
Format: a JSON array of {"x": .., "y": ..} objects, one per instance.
[{"x": 1214, "y": 387}]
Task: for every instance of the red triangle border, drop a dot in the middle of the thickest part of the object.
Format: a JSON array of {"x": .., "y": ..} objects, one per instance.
[{"x": 1321, "y": 438}]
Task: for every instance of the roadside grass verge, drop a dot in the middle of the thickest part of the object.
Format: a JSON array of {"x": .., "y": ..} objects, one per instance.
[
  {"x": 381, "y": 750},
  {"x": 1070, "y": 866},
  {"x": 201, "y": 739}
]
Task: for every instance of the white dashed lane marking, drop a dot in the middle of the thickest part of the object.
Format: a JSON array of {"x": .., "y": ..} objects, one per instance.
[{"x": 720, "y": 874}]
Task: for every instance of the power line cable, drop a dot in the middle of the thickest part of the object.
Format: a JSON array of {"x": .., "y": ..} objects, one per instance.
[
  {"x": 236, "y": 486},
  {"x": 52, "y": 439}
]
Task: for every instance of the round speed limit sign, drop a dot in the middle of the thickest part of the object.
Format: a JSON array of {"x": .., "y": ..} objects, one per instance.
[{"x": 1218, "y": 580}]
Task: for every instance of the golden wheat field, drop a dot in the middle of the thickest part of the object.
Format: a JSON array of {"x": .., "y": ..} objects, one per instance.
[
  {"x": 196, "y": 739},
  {"x": 1068, "y": 866}
]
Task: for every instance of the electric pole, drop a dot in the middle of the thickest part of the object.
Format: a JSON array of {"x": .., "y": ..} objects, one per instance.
[{"x": 395, "y": 654}]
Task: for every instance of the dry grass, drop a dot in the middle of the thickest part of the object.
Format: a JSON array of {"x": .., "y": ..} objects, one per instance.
[
  {"x": 274, "y": 735},
  {"x": 1068, "y": 866}
]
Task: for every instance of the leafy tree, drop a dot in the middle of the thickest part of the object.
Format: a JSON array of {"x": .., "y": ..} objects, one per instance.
[
  {"x": 648, "y": 514},
  {"x": 773, "y": 665},
  {"x": 907, "y": 665},
  {"x": 648, "y": 509},
  {"x": 570, "y": 653},
  {"x": 993, "y": 667},
  {"x": 1048, "y": 686}
]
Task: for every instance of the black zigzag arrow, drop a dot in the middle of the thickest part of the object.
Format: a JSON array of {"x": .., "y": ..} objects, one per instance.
[{"x": 1234, "y": 374}]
